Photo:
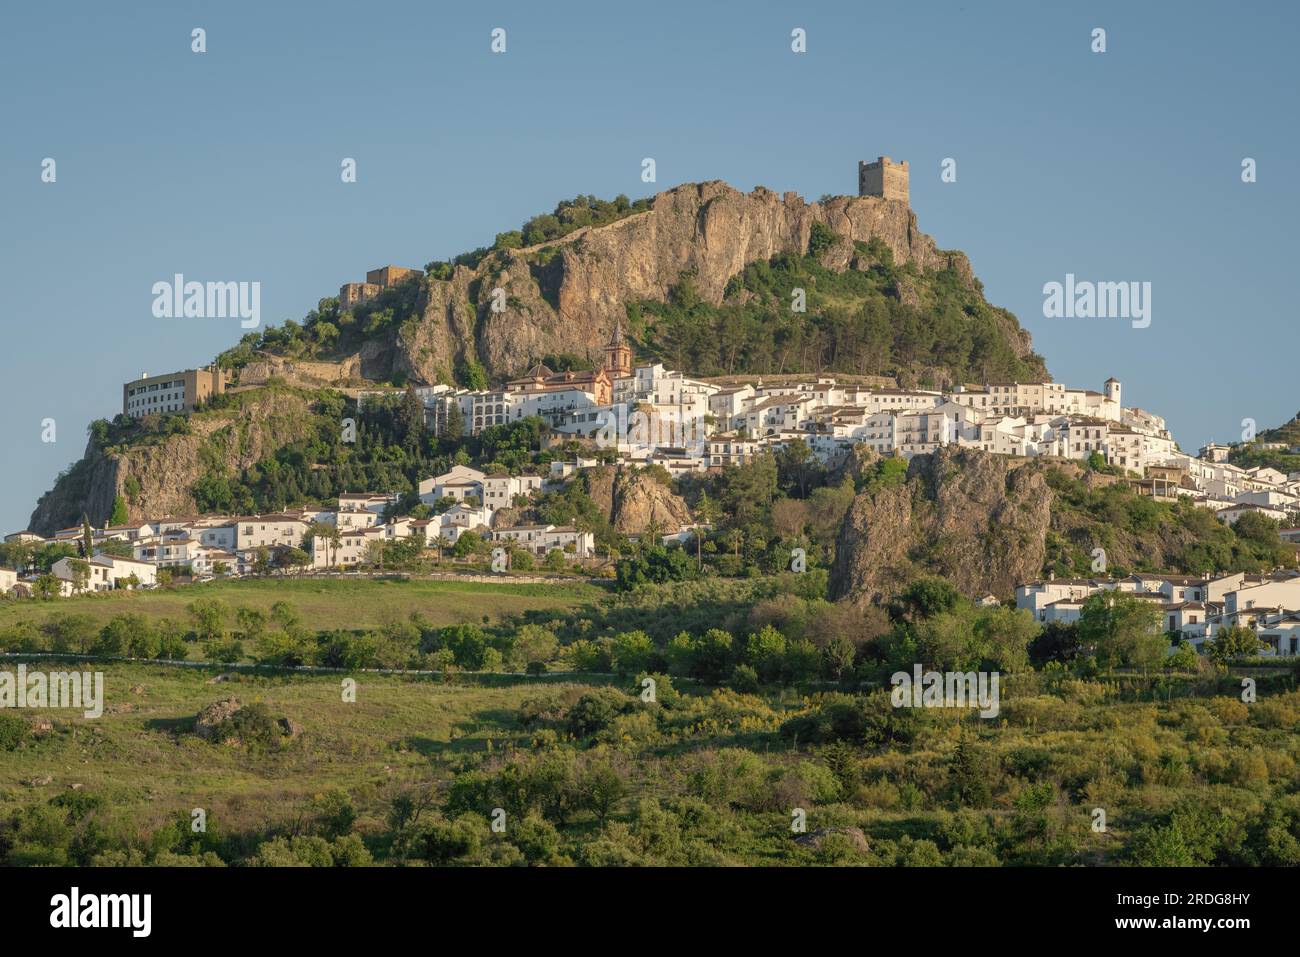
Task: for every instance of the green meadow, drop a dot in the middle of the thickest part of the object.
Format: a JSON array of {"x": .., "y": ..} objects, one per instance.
[
  {"x": 584, "y": 770},
  {"x": 325, "y": 603}
]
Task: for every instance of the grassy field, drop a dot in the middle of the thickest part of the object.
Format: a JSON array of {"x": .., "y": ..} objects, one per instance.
[
  {"x": 142, "y": 759},
  {"x": 709, "y": 776},
  {"x": 325, "y": 603}
]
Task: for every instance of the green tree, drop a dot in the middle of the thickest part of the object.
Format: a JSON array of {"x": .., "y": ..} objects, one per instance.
[
  {"x": 765, "y": 652},
  {"x": 87, "y": 539},
  {"x": 120, "y": 515},
  {"x": 1121, "y": 629},
  {"x": 1234, "y": 642},
  {"x": 453, "y": 426},
  {"x": 969, "y": 774},
  {"x": 410, "y": 418},
  {"x": 474, "y": 375},
  {"x": 1006, "y": 634},
  {"x": 631, "y": 652},
  {"x": 46, "y": 587},
  {"x": 209, "y": 617},
  {"x": 80, "y": 570}
]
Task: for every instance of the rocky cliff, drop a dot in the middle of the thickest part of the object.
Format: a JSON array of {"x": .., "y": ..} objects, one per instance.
[
  {"x": 155, "y": 477},
  {"x": 991, "y": 522},
  {"x": 979, "y": 520},
  {"x": 564, "y": 296},
  {"x": 632, "y": 499}
]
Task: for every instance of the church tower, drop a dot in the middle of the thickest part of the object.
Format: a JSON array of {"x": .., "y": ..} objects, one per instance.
[
  {"x": 1112, "y": 392},
  {"x": 618, "y": 354}
]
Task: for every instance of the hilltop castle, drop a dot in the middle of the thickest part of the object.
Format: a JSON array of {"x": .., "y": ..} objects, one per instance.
[
  {"x": 377, "y": 280},
  {"x": 883, "y": 178}
]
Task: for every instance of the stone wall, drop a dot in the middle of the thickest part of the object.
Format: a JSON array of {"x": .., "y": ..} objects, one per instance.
[
  {"x": 354, "y": 293},
  {"x": 299, "y": 372},
  {"x": 386, "y": 276}
]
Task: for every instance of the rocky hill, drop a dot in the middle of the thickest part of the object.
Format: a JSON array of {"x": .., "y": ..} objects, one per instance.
[
  {"x": 701, "y": 274},
  {"x": 563, "y": 296},
  {"x": 1254, "y": 453},
  {"x": 156, "y": 474},
  {"x": 990, "y": 522}
]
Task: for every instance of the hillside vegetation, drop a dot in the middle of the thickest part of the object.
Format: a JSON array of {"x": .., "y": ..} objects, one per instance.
[
  {"x": 413, "y": 771},
  {"x": 1250, "y": 454},
  {"x": 863, "y": 314}
]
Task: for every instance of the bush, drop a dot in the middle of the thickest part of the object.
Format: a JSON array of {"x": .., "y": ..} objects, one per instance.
[
  {"x": 744, "y": 679},
  {"x": 253, "y": 725},
  {"x": 13, "y": 732},
  {"x": 596, "y": 710},
  {"x": 442, "y": 842}
]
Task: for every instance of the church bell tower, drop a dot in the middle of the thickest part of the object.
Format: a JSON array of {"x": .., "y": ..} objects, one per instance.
[{"x": 618, "y": 354}]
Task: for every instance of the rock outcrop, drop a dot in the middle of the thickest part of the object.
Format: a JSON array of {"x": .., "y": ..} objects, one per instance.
[
  {"x": 210, "y": 721},
  {"x": 852, "y": 836},
  {"x": 979, "y": 520},
  {"x": 633, "y": 498},
  {"x": 156, "y": 479}
]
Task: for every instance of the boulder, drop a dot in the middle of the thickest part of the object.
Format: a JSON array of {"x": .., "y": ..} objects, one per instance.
[
  {"x": 213, "y": 716},
  {"x": 815, "y": 839}
]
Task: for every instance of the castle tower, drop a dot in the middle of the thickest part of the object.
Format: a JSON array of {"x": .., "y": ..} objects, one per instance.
[
  {"x": 883, "y": 178},
  {"x": 1112, "y": 391},
  {"x": 618, "y": 354}
]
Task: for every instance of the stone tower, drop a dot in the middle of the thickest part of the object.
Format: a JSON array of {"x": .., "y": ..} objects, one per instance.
[
  {"x": 883, "y": 178},
  {"x": 1112, "y": 390},
  {"x": 618, "y": 354}
]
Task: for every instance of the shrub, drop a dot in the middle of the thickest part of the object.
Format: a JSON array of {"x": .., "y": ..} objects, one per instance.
[
  {"x": 596, "y": 710},
  {"x": 13, "y": 732}
]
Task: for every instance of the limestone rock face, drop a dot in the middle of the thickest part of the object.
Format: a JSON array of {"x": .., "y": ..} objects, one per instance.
[
  {"x": 428, "y": 350},
  {"x": 162, "y": 475},
  {"x": 564, "y": 296},
  {"x": 980, "y": 520},
  {"x": 633, "y": 499}
]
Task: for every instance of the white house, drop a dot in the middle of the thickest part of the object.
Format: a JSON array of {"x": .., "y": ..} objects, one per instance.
[
  {"x": 1036, "y": 596},
  {"x": 353, "y": 547},
  {"x": 541, "y": 539},
  {"x": 219, "y": 535},
  {"x": 207, "y": 560},
  {"x": 1281, "y": 635},
  {"x": 499, "y": 491},
  {"x": 121, "y": 568},
  {"x": 98, "y": 577},
  {"x": 1273, "y": 593},
  {"x": 462, "y": 518},
  {"x": 260, "y": 531},
  {"x": 365, "y": 502},
  {"x": 1230, "y": 514},
  {"x": 459, "y": 482}
]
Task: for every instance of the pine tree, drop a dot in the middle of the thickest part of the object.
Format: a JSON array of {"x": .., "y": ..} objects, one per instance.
[
  {"x": 120, "y": 515},
  {"x": 968, "y": 774}
]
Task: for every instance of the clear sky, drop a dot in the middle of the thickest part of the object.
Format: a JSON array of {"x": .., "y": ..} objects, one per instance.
[{"x": 1123, "y": 165}]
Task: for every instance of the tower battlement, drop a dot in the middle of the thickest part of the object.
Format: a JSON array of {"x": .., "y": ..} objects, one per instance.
[{"x": 883, "y": 178}]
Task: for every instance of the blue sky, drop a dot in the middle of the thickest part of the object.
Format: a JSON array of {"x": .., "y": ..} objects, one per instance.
[{"x": 225, "y": 165}]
